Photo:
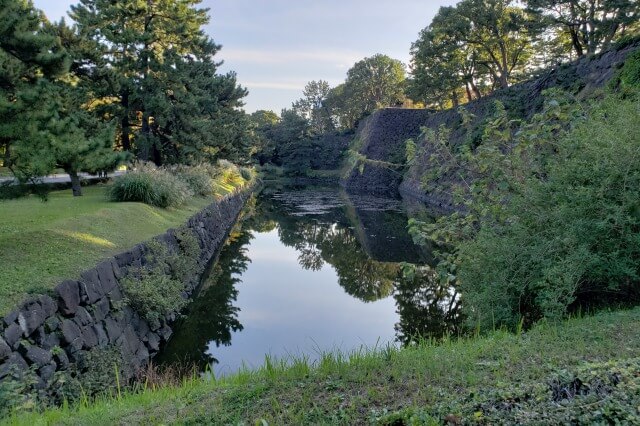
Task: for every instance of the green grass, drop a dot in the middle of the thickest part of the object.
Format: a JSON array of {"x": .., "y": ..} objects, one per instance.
[
  {"x": 498, "y": 378},
  {"x": 43, "y": 243}
]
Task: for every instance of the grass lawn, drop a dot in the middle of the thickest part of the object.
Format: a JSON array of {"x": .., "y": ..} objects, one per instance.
[
  {"x": 42, "y": 243},
  {"x": 586, "y": 370}
]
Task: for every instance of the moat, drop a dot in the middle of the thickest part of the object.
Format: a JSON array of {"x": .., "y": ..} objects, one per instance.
[{"x": 312, "y": 270}]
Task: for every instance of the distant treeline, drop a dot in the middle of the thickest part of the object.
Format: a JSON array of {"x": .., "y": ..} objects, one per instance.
[{"x": 468, "y": 51}]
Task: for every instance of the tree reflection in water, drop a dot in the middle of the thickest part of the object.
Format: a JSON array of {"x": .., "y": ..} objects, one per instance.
[
  {"x": 334, "y": 235},
  {"x": 428, "y": 306},
  {"x": 212, "y": 316}
]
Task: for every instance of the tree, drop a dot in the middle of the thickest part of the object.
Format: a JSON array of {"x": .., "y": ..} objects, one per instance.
[
  {"x": 344, "y": 113},
  {"x": 263, "y": 123},
  {"x": 155, "y": 72},
  {"x": 196, "y": 112},
  {"x": 28, "y": 58},
  {"x": 69, "y": 138},
  {"x": 375, "y": 82},
  {"x": 499, "y": 33},
  {"x": 441, "y": 66},
  {"x": 591, "y": 24},
  {"x": 314, "y": 108},
  {"x": 45, "y": 124}
]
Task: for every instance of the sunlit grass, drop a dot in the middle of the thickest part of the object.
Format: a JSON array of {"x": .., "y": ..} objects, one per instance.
[
  {"x": 88, "y": 238},
  {"x": 42, "y": 243}
]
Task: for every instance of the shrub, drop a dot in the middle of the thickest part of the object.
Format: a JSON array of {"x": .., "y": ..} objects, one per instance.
[
  {"x": 171, "y": 187},
  {"x": 156, "y": 289},
  {"x": 17, "y": 391},
  {"x": 197, "y": 178},
  {"x": 170, "y": 190},
  {"x": 568, "y": 231},
  {"x": 228, "y": 179},
  {"x": 630, "y": 72},
  {"x": 245, "y": 173},
  {"x": 152, "y": 186},
  {"x": 153, "y": 294}
]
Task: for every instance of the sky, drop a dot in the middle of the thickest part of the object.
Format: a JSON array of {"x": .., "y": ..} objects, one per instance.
[{"x": 277, "y": 46}]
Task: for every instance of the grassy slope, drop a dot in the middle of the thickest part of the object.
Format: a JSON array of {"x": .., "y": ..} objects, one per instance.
[
  {"x": 43, "y": 243},
  {"x": 505, "y": 374}
]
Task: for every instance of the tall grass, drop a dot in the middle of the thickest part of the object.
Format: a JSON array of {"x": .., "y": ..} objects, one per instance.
[
  {"x": 500, "y": 378},
  {"x": 174, "y": 185},
  {"x": 151, "y": 185}
]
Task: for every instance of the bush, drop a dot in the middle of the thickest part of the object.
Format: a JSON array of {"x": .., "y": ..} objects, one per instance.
[
  {"x": 246, "y": 173},
  {"x": 228, "y": 178},
  {"x": 153, "y": 294},
  {"x": 630, "y": 72},
  {"x": 17, "y": 392},
  {"x": 197, "y": 178},
  {"x": 569, "y": 231},
  {"x": 156, "y": 289},
  {"x": 171, "y": 187},
  {"x": 152, "y": 186}
]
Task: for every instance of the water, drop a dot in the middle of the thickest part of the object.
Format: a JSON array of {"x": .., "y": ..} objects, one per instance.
[{"x": 309, "y": 271}]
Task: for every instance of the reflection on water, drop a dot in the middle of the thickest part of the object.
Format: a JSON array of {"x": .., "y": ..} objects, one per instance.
[{"x": 308, "y": 271}]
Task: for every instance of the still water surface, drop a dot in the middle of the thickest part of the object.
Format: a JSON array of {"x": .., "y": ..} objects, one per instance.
[{"x": 308, "y": 271}]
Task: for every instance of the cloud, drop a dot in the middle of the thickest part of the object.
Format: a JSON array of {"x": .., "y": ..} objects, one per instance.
[
  {"x": 259, "y": 56},
  {"x": 273, "y": 85}
]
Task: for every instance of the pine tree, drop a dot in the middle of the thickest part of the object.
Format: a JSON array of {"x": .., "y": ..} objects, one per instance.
[
  {"x": 155, "y": 72},
  {"x": 28, "y": 56},
  {"x": 45, "y": 123}
]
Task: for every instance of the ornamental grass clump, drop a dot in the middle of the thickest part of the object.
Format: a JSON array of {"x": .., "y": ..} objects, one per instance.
[
  {"x": 151, "y": 185},
  {"x": 197, "y": 178}
]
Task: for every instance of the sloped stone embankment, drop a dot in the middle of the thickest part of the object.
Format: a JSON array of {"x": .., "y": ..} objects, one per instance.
[{"x": 49, "y": 333}]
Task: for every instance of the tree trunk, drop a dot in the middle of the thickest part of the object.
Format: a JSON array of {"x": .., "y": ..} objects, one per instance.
[
  {"x": 145, "y": 149},
  {"x": 75, "y": 184},
  {"x": 454, "y": 99},
  {"x": 475, "y": 89},
  {"x": 591, "y": 29},
  {"x": 7, "y": 155},
  {"x": 504, "y": 80},
  {"x": 504, "y": 67},
  {"x": 157, "y": 156},
  {"x": 124, "y": 123},
  {"x": 606, "y": 44},
  {"x": 574, "y": 30},
  {"x": 575, "y": 41},
  {"x": 468, "y": 89}
]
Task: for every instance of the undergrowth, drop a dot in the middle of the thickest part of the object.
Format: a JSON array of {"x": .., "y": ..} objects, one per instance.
[{"x": 157, "y": 288}]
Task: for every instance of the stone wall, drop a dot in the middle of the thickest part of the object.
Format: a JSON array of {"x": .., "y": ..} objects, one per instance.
[
  {"x": 48, "y": 333},
  {"x": 382, "y": 136}
]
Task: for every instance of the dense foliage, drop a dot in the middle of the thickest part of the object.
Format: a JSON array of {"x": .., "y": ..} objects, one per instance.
[
  {"x": 477, "y": 46},
  {"x": 156, "y": 289},
  {"x": 161, "y": 82},
  {"x": 551, "y": 210},
  {"x": 311, "y": 135},
  {"x": 43, "y": 122},
  {"x": 129, "y": 79},
  {"x": 590, "y": 25}
]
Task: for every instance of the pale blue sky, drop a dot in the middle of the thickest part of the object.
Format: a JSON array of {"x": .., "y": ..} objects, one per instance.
[{"x": 277, "y": 46}]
